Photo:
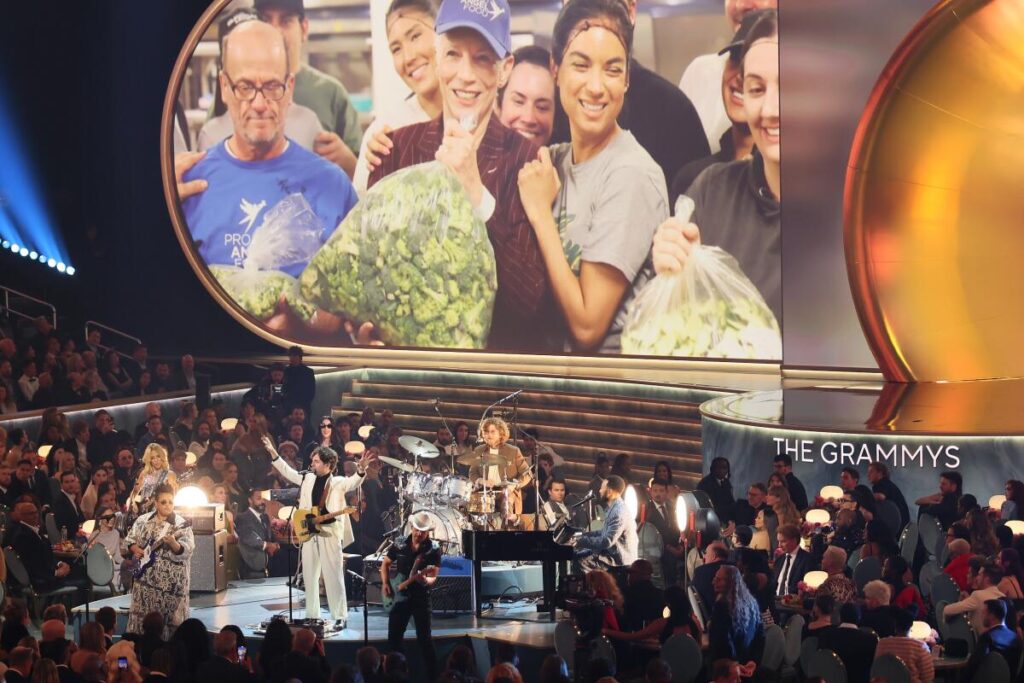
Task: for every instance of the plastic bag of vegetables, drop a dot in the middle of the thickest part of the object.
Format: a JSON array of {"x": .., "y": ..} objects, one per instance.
[
  {"x": 413, "y": 259},
  {"x": 258, "y": 291},
  {"x": 709, "y": 309},
  {"x": 287, "y": 238}
]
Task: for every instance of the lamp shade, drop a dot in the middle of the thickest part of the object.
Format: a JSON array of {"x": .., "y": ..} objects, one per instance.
[
  {"x": 228, "y": 423},
  {"x": 831, "y": 492},
  {"x": 44, "y": 450},
  {"x": 364, "y": 431},
  {"x": 190, "y": 458},
  {"x": 190, "y": 496},
  {"x": 1016, "y": 526},
  {"x": 286, "y": 512},
  {"x": 666, "y": 613},
  {"x": 920, "y": 630},
  {"x": 355, "y": 447},
  {"x": 818, "y": 516},
  {"x": 815, "y": 579},
  {"x": 632, "y": 502},
  {"x": 681, "y": 513},
  {"x": 996, "y": 502},
  {"x": 88, "y": 526}
]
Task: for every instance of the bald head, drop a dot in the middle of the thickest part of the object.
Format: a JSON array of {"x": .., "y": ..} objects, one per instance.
[
  {"x": 255, "y": 42},
  {"x": 304, "y": 641},
  {"x": 52, "y": 630}
]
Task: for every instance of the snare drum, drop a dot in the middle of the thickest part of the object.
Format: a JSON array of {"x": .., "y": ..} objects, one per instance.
[
  {"x": 420, "y": 487},
  {"x": 456, "y": 490},
  {"x": 481, "y": 503}
]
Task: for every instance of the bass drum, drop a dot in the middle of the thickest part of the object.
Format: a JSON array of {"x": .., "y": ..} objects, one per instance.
[
  {"x": 448, "y": 526},
  {"x": 455, "y": 490}
]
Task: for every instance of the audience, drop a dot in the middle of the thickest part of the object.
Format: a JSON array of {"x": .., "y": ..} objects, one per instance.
[{"x": 914, "y": 653}]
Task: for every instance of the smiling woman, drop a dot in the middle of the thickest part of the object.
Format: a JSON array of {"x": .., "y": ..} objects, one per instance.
[{"x": 607, "y": 193}]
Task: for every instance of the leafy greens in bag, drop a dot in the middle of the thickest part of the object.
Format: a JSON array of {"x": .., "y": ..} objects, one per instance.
[{"x": 258, "y": 291}]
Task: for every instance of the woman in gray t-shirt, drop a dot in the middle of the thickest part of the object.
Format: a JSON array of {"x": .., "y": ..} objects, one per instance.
[{"x": 595, "y": 202}]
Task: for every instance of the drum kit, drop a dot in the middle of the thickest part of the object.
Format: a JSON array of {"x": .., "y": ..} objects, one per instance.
[{"x": 452, "y": 501}]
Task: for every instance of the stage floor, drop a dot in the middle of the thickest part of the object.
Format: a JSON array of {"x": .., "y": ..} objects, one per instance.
[{"x": 247, "y": 604}]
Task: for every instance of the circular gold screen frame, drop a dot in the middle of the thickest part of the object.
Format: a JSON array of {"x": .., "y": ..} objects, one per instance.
[{"x": 933, "y": 202}]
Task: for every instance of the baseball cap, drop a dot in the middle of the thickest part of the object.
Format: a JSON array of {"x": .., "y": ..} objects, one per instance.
[
  {"x": 289, "y": 6},
  {"x": 490, "y": 18},
  {"x": 749, "y": 19}
]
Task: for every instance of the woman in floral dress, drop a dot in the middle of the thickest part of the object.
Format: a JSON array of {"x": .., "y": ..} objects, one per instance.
[{"x": 164, "y": 586}]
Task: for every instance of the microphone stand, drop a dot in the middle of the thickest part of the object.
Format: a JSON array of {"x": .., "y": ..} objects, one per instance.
[
  {"x": 366, "y": 607},
  {"x": 444, "y": 423}
]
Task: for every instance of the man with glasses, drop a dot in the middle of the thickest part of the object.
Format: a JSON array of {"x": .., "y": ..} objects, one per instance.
[{"x": 257, "y": 177}]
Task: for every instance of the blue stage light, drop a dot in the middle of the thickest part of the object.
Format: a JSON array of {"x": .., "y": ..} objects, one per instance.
[
  {"x": 61, "y": 267},
  {"x": 33, "y": 255},
  {"x": 70, "y": 270},
  {"x": 6, "y": 244},
  {"x": 15, "y": 248},
  {"x": 24, "y": 251},
  {"x": 51, "y": 262}
]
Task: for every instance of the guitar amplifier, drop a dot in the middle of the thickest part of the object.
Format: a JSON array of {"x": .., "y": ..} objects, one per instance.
[
  {"x": 208, "y": 566},
  {"x": 452, "y": 592},
  {"x": 206, "y": 519}
]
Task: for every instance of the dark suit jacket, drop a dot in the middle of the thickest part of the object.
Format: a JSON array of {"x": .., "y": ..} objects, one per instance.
[
  {"x": 803, "y": 562},
  {"x": 892, "y": 493},
  {"x": 796, "y": 491},
  {"x": 220, "y": 670},
  {"x": 13, "y": 676},
  {"x": 855, "y": 647},
  {"x": 38, "y": 486},
  {"x": 67, "y": 515},
  {"x": 252, "y": 534},
  {"x": 300, "y": 385},
  {"x": 1000, "y": 639},
  {"x": 879, "y": 620},
  {"x": 307, "y": 669},
  {"x": 669, "y": 530},
  {"x": 35, "y": 553},
  {"x": 703, "y": 576},
  {"x": 66, "y": 675}
]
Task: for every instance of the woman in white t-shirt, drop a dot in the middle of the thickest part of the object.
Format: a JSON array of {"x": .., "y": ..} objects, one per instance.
[
  {"x": 410, "y": 31},
  {"x": 595, "y": 202}
]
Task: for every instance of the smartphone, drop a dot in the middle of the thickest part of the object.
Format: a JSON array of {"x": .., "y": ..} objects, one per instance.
[
  {"x": 241, "y": 652},
  {"x": 122, "y": 662}
]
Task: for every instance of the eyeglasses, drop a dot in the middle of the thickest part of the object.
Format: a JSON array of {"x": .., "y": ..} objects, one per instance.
[{"x": 246, "y": 91}]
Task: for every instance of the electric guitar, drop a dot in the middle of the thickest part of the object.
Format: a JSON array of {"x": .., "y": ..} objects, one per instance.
[
  {"x": 148, "y": 558},
  {"x": 306, "y": 522},
  {"x": 400, "y": 583}
]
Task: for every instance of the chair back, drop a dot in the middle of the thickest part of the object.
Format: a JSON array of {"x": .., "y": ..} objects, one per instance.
[
  {"x": 944, "y": 588},
  {"x": 908, "y": 542},
  {"x": 794, "y": 632},
  {"x": 926, "y": 578},
  {"x": 99, "y": 566},
  {"x": 868, "y": 569},
  {"x": 890, "y": 669},
  {"x": 565, "y": 642},
  {"x": 602, "y": 648},
  {"x": 940, "y": 618},
  {"x": 887, "y": 511},
  {"x": 960, "y": 627},
  {"x": 698, "y": 607},
  {"x": 993, "y": 669},
  {"x": 774, "y": 648},
  {"x": 930, "y": 532},
  {"x": 853, "y": 558},
  {"x": 16, "y": 569},
  {"x": 808, "y": 648},
  {"x": 682, "y": 654},
  {"x": 826, "y": 663}
]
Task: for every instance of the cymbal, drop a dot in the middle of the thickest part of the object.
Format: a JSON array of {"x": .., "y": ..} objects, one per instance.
[
  {"x": 485, "y": 459},
  {"x": 417, "y": 447},
  {"x": 397, "y": 464}
]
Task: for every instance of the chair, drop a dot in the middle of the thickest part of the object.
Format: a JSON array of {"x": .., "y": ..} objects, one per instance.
[
  {"x": 683, "y": 656},
  {"x": 853, "y": 559},
  {"x": 52, "y": 532},
  {"x": 927, "y": 576},
  {"x": 960, "y": 627},
  {"x": 17, "y": 570},
  {"x": 890, "y": 669},
  {"x": 940, "y": 618},
  {"x": 826, "y": 663},
  {"x": 887, "y": 511},
  {"x": 774, "y": 648},
  {"x": 931, "y": 534},
  {"x": 944, "y": 589},
  {"x": 794, "y": 631},
  {"x": 908, "y": 542},
  {"x": 808, "y": 648},
  {"x": 868, "y": 569},
  {"x": 99, "y": 567},
  {"x": 993, "y": 669},
  {"x": 698, "y": 607},
  {"x": 565, "y": 642}
]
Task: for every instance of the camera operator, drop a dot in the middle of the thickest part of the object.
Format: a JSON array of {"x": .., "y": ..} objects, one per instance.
[{"x": 269, "y": 394}]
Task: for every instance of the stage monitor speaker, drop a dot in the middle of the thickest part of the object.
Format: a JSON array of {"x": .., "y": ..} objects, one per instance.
[
  {"x": 452, "y": 592},
  {"x": 208, "y": 566}
]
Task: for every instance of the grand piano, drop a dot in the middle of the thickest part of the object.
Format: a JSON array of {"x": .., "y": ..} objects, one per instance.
[{"x": 520, "y": 546}]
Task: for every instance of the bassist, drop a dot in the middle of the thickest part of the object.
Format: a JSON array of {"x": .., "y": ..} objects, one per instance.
[{"x": 416, "y": 559}]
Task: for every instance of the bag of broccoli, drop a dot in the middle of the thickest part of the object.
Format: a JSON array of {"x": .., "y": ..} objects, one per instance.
[
  {"x": 709, "y": 309},
  {"x": 413, "y": 259},
  {"x": 289, "y": 235},
  {"x": 258, "y": 291}
]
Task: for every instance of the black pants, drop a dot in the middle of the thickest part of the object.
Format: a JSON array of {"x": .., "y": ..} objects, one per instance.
[{"x": 419, "y": 610}]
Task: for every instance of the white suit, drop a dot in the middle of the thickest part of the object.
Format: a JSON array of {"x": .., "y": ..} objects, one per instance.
[{"x": 324, "y": 550}]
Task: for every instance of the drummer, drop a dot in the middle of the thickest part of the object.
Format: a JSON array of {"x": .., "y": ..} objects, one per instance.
[{"x": 510, "y": 470}]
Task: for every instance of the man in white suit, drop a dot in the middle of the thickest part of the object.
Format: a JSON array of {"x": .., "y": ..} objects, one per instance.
[{"x": 318, "y": 486}]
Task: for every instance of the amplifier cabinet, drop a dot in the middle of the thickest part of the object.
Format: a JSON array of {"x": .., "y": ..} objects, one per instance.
[
  {"x": 208, "y": 564},
  {"x": 206, "y": 519}
]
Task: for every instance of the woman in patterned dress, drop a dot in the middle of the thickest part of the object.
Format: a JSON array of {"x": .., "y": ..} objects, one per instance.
[{"x": 164, "y": 586}]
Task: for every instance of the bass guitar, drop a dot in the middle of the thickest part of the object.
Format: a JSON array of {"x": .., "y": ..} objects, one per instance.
[
  {"x": 306, "y": 522},
  {"x": 148, "y": 558},
  {"x": 400, "y": 584}
]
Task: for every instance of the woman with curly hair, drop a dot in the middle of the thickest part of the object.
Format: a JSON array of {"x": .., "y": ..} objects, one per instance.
[
  {"x": 605, "y": 587},
  {"x": 983, "y": 534},
  {"x": 736, "y": 627},
  {"x": 155, "y": 470}
]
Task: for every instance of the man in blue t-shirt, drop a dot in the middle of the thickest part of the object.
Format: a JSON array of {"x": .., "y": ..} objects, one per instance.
[{"x": 257, "y": 177}]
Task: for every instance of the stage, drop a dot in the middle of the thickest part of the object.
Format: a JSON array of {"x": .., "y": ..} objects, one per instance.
[{"x": 247, "y": 604}]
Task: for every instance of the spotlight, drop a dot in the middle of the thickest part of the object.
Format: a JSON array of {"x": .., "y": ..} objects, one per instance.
[
  {"x": 33, "y": 255},
  {"x": 190, "y": 496},
  {"x": 15, "y": 248},
  {"x": 632, "y": 501},
  {"x": 61, "y": 267},
  {"x": 23, "y": 251},
  {"x": 700, "y": 516},
  {"x": 70, "y": 270},
  {"x": 51, "y": 262},
  {"x": 6, "y": 244}
]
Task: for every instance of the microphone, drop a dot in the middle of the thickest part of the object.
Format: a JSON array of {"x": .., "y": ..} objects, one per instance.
[
  {"x": 510, "y": 396},
  {"x": 435, "y": 402},
  {"x": 585, "y": 499}
]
